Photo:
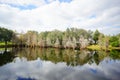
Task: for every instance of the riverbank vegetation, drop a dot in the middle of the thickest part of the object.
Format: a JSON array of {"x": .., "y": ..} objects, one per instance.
[{"x": 73, "y": 38}]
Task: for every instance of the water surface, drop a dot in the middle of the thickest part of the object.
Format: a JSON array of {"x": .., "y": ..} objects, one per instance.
[{"x": 55, "y": 64}]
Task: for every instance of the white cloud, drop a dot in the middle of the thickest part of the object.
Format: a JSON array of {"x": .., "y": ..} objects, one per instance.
[
  {"x": 47, "y": 70},
  {"x": 92, "y": 14}
]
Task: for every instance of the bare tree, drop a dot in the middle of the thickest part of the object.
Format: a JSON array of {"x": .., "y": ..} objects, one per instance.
[
  {"x": 57, "y": 43},
  {"x": 83, "y": 42}
]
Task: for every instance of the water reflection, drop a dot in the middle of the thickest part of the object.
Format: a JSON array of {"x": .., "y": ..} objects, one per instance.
[
  {"x": 71, "y": 57},
  {"x": 6, "y": 57},
  {"x": 115, "y": 54},
  {"x": 54, "y": 64}
]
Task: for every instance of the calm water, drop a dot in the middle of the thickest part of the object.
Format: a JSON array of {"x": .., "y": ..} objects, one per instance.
[{"x": 54, "y": 64}]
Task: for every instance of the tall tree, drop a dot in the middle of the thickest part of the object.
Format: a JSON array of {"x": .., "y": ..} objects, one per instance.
[
  {"x": 96, "y": 36},
  {"x": 114, "y": 41},
  {"x": 5, "y": 35},
  {"x": 31, "y": 38},
  {"x": 15, "y": 39},
  {"x": 57, "y": 43},
  {"x": 42, "y": 39},
  {"x": 101, "y": 40}
]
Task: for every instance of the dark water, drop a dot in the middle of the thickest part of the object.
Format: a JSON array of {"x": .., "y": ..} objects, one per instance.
[{"x": 54, "y": 64}]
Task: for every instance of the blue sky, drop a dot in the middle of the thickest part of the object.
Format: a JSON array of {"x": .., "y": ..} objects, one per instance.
[
  {"x": 32, "y": 6},
  {"x": 42, "y": 15},
  {"x": 65, "y": 1},
  {"x": 29, "y": 7}
]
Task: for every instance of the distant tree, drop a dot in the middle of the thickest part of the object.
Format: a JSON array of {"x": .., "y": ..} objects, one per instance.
[
  {"x": 5, "y": 35},
  {"x": 31, "y": 38},
  {"x": 42, "y": 39},
  {"x": 114, "y": 41},
  {"x": 48, "y": 42},
  {"x": 90, "y": 37},
  {"x": 82, "y": 32},
  {"x": 35, "y": 38},
  {"x": 74, "y": 32},
  {"x": 107, "y": 38},
  {"x": 71, "y": 38},
  {"x": 67, "y": 33},
  {"x": 71, "y": 43},
  {"x": 54, "y": 35},
  {"x": 83, "y": 42},
  {"x": 96, "y": 36},
  {"x": 90, "y": 33},
  {"x": 68, "y": 43},
  {"x": 118, "y": 35},
  {"x": 74, "y": 41},
  {"x": 21, "y": 38},
  {"x": 101, "y": 40},
  {"x": 57, "y": 43},
  {"x": 15, "y": 39}
]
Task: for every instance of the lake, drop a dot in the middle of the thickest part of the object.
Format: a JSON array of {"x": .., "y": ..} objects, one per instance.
[{"x": 56, "y": 64}]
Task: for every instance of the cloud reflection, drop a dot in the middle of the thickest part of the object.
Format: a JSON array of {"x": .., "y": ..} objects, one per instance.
[{"x": 21, "y": 69}]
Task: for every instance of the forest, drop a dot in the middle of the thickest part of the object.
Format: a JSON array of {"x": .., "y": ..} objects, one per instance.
[{"x": 72, "y": 38}]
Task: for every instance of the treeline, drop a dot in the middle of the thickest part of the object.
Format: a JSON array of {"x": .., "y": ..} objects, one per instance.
[
  {"x": 6, "y": 35},
  {"x": 71, "y": 38}
]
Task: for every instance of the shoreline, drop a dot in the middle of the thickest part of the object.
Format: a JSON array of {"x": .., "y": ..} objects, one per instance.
[{"x": 90, "y": 47}]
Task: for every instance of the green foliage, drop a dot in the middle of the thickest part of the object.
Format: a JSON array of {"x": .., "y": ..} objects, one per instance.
[
  {"x": 96, "y": 36},
  {"x": 43, "y": 35},
  {"x": 3, "y": 43},
  {"x": 5, "y": 35},
  {"x": 114, "y": 41},
  {"x": 56, "y": 34},
  {"x": 74, "y": 32},
  {"x": 115, "y": 54},
  {"x": 69, "y": 38}
]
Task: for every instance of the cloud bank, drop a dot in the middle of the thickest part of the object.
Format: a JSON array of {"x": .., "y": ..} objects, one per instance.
[
  {"x": 46, "y": 70},
  {"x": 42, "y": 15}
]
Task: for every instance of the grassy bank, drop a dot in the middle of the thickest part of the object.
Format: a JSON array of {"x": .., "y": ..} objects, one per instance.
[
  {"x": 97, "y": 47},
  {"x": 91, "y": 47},
  {"x": 2, "y": 44}
]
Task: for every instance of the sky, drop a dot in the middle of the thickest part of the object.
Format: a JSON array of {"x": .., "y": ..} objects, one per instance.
[{"x": 47, "y": 15}]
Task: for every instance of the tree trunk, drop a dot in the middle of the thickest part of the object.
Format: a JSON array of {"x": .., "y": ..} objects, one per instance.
[
  {"x": 5, "y": 45},
  {"x": 95, "y": 42}
]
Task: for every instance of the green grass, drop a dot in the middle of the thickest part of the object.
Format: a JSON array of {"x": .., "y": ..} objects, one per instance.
[
  {"x": 94, "y": 47},
  {"x": 2, "y": 49},
  {"x": 3, "y": 43},
  {"x": 117, "y": 48},
  {"x": 97, "y": 47}
]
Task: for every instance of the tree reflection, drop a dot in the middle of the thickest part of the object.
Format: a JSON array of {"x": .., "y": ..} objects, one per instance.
[
  {"x": 98, "y": 56},
  {"x": 115, "y": 54},
  {"x": 69, "y": 56},
  {"x": 6, "y": 57}
]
